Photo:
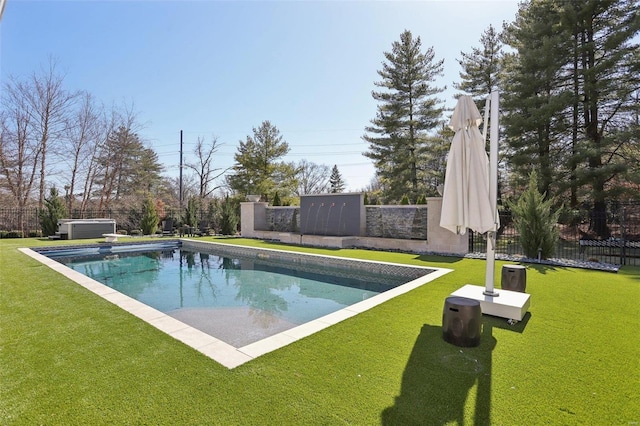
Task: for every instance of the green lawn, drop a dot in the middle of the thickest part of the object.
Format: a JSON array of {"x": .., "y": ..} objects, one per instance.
[{"x": 69, "y": 357}]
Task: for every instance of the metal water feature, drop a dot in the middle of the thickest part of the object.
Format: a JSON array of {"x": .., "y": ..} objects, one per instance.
[{"x": 332, "y": 214}]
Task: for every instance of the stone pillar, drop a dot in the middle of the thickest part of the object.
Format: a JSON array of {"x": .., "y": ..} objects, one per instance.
[
  {"x": 440, "y": 239},
  {"x": 253, "y": 217}
]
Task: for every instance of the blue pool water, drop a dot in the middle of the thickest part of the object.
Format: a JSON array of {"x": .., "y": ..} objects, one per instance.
[{"x": 236, "y": 299}]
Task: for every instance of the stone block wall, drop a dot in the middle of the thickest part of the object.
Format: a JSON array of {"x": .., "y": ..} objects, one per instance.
[
  {"x": 283, "y": 219},
  {"x": 401, "y": 222}
]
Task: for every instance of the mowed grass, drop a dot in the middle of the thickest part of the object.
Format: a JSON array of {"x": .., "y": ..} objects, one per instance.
[{"x": 69, "y": 357}]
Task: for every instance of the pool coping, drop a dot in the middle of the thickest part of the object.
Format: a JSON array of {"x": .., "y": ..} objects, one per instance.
[{"x": 221, "y": 352}]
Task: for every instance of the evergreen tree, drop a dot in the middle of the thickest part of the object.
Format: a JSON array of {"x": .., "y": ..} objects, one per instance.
[
  {"x": 536, "y": 221},
  {"x": 336, "y": 184},
  {"x": 257, "y": 169},
  {"x": 609, "y": 68},
  {"x": 481, "y": 68},
  {"x": 228, "y": 217},
  {"x": 53, "y": 211},
  {"x": 407, "y": 110},
  {"x": 535, "y": 94},
  {"x": 191, "y": 212},
  {"x": 129, "y": 168},
  {"x": 276, "y": 200},
  {"x": 570, "y": 94},
  {"x": 149, "y": 221},
  {"x": 435, "y": 160}
]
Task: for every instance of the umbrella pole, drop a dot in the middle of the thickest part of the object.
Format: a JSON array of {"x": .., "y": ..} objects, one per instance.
[{"x": 493, "y": 194}]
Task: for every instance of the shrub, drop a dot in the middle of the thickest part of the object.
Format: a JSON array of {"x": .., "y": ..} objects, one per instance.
[
  {"x": 276, "y": 200},
  {"x": 228, "y": 218},
  {"x": 149, "y": 221},
  {"x": 190, "y": 213},
  {"x": 54, "y": 210},
  {"x": 535, "y": 220},
  {"x": 405, "y": 200}
]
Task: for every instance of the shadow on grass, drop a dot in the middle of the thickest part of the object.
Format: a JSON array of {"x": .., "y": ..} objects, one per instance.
[
  {"x": 438, "y": 379},
  {"x": 436, "y": 258}
]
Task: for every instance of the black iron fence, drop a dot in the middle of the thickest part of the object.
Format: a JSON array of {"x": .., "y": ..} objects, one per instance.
[
  {"x": 26, "y": 222},
  {"x": 621, "y": 245}
]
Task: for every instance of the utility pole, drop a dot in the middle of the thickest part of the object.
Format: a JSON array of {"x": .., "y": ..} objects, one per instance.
[{"x": 181, "y": 191}]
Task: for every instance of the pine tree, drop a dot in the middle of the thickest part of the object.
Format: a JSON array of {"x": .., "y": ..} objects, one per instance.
[
  {"x": 407, "y": 111},
  {"x": 570, "y": 93},
  {"x": 257, "y": 169},
  {"x": 336, "y": 184},
  {"x": 481, "y": 68},
  {"x": 535, "y": 94}
]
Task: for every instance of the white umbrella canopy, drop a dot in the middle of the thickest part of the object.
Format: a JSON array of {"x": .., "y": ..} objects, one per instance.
[{"x": 466, "y": 201}]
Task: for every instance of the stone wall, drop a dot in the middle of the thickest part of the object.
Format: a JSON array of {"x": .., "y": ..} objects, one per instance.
[
  {"x": 403, "y": 228},
  {"x": 283, "y": 219},
  {"x": 401, "y": 222}
]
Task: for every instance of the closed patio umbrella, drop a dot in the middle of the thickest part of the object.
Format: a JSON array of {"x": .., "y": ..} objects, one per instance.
[
  {"x": 469, "y": 193},
  {"x": 465, "y": 197}
]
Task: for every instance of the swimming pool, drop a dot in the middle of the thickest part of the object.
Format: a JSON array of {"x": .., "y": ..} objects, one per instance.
[{"x": 231, "y": 302}]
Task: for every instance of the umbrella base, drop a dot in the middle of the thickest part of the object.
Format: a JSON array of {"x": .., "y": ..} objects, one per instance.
[{"x": 510, "y": 304}]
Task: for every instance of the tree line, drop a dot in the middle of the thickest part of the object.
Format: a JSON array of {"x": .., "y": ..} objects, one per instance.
[
  {"x": 61, "y": 143},
  {"x": 569, "y": 77}
]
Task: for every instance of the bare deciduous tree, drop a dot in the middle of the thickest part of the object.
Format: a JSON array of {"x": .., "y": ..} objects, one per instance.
[
  {"x": 19, "y": 153},
  {"x": 203, "y": 166},
  {"x": 83, "y": 135},
  {"x": 49, "y": 105},
  {"x": 312, "y": 178}
]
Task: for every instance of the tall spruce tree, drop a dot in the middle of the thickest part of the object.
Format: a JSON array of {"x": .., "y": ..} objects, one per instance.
[
  {"x": 336, "y": 184},
  {"x": 257, "y": 169},
  {"x": 407, "y": 110}
]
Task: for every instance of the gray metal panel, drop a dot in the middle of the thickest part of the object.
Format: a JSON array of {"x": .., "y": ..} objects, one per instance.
[
  {"x": 79, "y": 230},
  {"x": 332, "y": 214}
]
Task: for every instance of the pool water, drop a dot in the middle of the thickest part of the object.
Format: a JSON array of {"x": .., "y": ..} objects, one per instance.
[{"x": 238, "y": 300}]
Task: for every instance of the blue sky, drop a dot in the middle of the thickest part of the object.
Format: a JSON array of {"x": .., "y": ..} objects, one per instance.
[{"x": 216, "y": 68}]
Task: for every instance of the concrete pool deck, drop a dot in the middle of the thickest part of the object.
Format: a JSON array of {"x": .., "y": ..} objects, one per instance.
[{"x": 216, "y": 349}]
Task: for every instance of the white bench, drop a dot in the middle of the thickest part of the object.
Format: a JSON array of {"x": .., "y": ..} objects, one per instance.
[{"x": 112, "y": 238}]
